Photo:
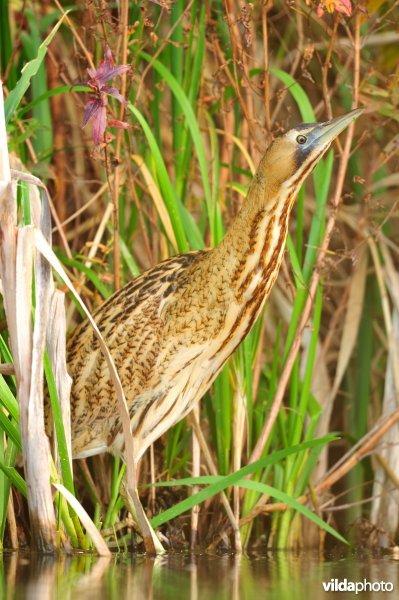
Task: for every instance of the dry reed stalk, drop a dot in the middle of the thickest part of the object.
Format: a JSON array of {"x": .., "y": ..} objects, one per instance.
[
  {"x": 195, "y": 471},
  {"x": 385, "y": 486},
  {"x": 12, "y": 524},
  {"x": 27, "y": 344},
  {"x": 354, "y": 307},
  {"x": 239, "y": 427},
  {"x": 124, "y": 21},
  {"x": 152, "y": 544},
  {"x": 193, "y": 422},
  {"x": 91, "y": 529},
  {"x": 21, "y": 248},
  {"x": 162, "y": 46},
  {"x": 56, "y": 336},
  {"x": 153, "y": 191},
  {"x": 239, "y": 59},
  {"x": 266, "y": 89}
]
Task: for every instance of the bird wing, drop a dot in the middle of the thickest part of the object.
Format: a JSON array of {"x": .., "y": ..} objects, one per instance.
[{"x": 132, "y": 326}]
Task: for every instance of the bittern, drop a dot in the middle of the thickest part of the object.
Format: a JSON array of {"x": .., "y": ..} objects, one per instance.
[{"x": 171, "y": 330}]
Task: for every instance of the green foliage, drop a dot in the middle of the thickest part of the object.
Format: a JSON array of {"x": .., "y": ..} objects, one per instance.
[
  {"x": 29, "y": 71},
  {"x": 195, "y": 111}
]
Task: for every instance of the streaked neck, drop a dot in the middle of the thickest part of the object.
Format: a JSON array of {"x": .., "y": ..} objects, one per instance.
[{"x": 252, "y": 250}]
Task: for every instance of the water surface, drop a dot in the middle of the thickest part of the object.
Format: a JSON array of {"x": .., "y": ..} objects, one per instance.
[{"x": 275, "y": 575}]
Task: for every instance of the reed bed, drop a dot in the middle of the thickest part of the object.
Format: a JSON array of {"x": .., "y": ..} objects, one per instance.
[{"x": 298, "y": 436}]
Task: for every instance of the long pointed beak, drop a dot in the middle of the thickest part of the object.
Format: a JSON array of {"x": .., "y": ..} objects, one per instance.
[{"x": 329, "y": 130}]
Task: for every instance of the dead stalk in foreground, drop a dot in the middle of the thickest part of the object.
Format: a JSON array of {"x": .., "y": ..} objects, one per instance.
[{"x": 18, "y": 256}]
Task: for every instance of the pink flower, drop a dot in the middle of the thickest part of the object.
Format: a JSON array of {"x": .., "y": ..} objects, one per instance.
[
  {"x": 342, "y": 6},
  {"x": 95, "y": 108}
]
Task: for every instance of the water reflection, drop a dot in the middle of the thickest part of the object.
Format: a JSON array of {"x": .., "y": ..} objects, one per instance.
[{"x": 180, "y": 576}]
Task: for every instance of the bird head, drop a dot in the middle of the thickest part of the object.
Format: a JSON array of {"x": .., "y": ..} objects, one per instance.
[{"x": 292, "y": 156}]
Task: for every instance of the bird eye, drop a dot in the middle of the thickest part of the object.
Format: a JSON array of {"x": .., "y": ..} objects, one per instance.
[{"x": 301, "y": 139}]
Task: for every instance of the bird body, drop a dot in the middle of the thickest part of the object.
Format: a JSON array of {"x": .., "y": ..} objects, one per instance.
[{"x": 171, "y": 330}]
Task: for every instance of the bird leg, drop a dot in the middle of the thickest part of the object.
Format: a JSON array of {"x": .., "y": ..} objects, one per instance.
[{"x": 132, "y": 502}]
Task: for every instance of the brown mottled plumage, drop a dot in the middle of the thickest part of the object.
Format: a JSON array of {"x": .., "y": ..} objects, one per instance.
[{"x": 171, "y": 330}]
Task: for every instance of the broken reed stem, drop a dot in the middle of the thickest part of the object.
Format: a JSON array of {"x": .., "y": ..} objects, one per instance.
[{"x": 7, "y": 369}]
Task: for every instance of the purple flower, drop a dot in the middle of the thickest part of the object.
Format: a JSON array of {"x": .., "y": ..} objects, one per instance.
[{"x": 96, "y": 106}]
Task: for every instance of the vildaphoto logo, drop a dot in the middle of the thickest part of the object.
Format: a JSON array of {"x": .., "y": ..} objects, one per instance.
[{"x": 345, "y": 585}]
